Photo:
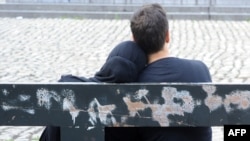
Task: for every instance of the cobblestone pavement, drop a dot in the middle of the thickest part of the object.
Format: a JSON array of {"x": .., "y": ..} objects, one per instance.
[{"x": 40, "y": 50}]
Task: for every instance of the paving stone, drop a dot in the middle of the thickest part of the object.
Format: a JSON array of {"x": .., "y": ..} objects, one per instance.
[{"x": 40, "y": 50}]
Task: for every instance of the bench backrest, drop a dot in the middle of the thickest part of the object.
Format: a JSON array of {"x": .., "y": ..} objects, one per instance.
[{"x": 91, "y": 107}]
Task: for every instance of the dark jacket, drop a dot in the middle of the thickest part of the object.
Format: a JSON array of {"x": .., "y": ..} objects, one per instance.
[{"x": 123, "y": 64}]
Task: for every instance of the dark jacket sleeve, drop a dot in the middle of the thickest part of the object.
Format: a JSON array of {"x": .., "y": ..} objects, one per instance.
[{"x": 72, "y": 78}]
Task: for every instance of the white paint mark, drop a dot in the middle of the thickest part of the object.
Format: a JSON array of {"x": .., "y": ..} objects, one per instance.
[
  {"x": 210, "y": 89},
  {"x": 69, "y": 106},
  {"x": 90, "y": 128},
  {"x": 24, "y": 97},
  {"x": 123, "y": 119},
  {"x": 142, "y": 93},
  {"x": 241, "y": 99},
  {"x": 134, "y": 107},
  {"x": 238, "y": 99},
  {"x": 104, "y": 113},
  {"x": 30, "y": 111},
  {"x": 160, "y": 112},
  {"x": 74, "y": 115},
  {"x": 170, "y": 93},
  {"x": 118, "y": 91},
  {"x": 7, "y": 107},
  {"x": 69, "y": 94},
  {"x": 5, "y": 92},
  {"x": 198, "y": 102},
  {"x": 213, "y": 102},
  {"x": 92, "y": 113},
  {"x": 188, "y": 103},
  {"x": 44, "y": 97}
]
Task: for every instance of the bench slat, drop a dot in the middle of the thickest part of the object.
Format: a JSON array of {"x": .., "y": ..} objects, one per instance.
[{"x": 92, "y": 107}]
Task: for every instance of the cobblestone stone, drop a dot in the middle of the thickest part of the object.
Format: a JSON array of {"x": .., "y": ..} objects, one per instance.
[{"x": 40, "y": 50}]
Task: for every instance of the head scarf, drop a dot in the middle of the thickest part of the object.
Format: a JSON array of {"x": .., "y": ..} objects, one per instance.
[{"x": 123, "y": 64}]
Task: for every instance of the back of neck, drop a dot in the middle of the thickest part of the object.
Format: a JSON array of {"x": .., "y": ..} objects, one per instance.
[{"x": 158, "y": 55}]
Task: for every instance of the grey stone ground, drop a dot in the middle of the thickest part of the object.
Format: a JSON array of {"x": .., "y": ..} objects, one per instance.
[{"x": 40, "y": 50}]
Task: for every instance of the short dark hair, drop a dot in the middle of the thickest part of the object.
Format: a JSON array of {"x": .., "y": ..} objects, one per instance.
[{"x": 149, "y": 26}]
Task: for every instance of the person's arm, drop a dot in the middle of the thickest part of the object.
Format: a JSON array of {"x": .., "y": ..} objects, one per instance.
[{"x": 72, "y": 78}]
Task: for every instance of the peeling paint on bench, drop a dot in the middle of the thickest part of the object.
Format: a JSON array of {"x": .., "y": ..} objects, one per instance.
[{"x": 91, "y": 106}]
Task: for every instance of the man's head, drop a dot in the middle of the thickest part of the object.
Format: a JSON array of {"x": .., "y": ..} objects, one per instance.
[{"x": 149, "y": 26}]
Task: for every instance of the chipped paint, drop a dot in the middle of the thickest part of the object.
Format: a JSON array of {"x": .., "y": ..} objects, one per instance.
[
  {"x": 134, "y": 107},
  {"x": 44, "y": 97},
  {"x": 69, "y": 106},
  {"x": 239, "y": 98},
  {"x": 69, "y": 94},
  {"x": 176, "y": 102},
  {"x": 160, "y": 112},
  {"x": 5, "y": 92},
  {"x": 24, "y": 97},
  {"x": 212, "y": 101},
  {"x": 210, "y": 89},
  {"x": 30, "y": 111},
  {"x": 7, "y": 107},
  {"x": 171, "y": 93},
  {"x": 104, "y": 113},
  {"x": 141, "y": 93}
]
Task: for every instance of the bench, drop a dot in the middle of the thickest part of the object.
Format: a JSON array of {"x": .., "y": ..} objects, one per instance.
[{"x": 83, "y": 110}]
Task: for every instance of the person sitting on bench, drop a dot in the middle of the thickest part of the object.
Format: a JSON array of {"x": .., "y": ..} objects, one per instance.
[{"x": 124, "y": 64}]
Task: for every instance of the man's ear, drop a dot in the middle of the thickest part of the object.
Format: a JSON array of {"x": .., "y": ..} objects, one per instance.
[{"x": 167, "y": 37}]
